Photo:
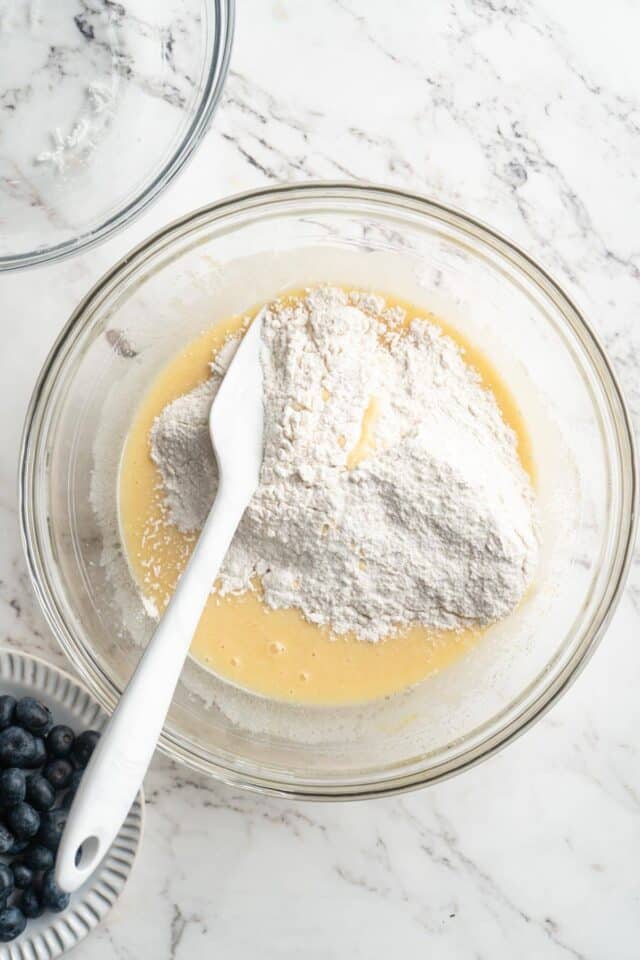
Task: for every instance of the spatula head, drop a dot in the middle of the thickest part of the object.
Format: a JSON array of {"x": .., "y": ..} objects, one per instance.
[{"x": 236, "y": 420}]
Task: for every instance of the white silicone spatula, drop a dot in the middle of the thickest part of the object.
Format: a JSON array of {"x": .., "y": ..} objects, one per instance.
[{"x": 120, "y": 760}]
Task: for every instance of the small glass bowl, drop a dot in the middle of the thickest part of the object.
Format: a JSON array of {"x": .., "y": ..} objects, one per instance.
[
  {"x": 224, "y": 259},
  {"x": 104, "y": 103}
]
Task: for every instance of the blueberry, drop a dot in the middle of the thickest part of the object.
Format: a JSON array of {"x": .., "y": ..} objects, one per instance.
[
  {"x": 17, "y": 847},
  {"x": 84, "y": 746},
  {"x": 12, "y": 923},
  {"x": 6, "y": 840},
  {"x": 72, "y": 789},
  {"x": 6, "y": 881},
  {"x": 74, "y": 780},
  {"x": 7, "y": 709},
  {"x": 52, "y": 896},
  {"x": 51, "y": 826},
  {"x": 40, "y": 754},
  {"x": 60, "y": 741},
  {"x": 13, "y": 786},
  {"x": 33, "y": 715},
  {"x": 31, "y": 904},
  {"x": 17, "y": 747},
  {"x": 58, "y": 773},
  {"x": 22, "y": 875},
  {"x": 23, "y": 821},
  {"x": 40, "y": 793},
  {"x": 38, "y": 857}
]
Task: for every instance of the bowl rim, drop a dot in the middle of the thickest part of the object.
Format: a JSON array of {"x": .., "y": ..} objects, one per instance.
[
  {"x": 224, "y": 13},
  {"x": 106, "y": 691}
]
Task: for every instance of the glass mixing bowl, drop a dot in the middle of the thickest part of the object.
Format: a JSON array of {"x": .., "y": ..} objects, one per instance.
[
  {"x": 223, "y": 259},
  {"x": 104, "y": 103}
]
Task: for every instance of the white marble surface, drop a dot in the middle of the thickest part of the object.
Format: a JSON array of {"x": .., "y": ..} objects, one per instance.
[{"x": 526, "y": 113}]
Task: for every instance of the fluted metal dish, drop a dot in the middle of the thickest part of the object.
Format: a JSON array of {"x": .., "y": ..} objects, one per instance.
[{"x": 53, "y": 934}]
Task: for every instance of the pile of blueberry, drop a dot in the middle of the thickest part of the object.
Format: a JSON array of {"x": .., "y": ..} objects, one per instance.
[{"x": 40, "y": 769}]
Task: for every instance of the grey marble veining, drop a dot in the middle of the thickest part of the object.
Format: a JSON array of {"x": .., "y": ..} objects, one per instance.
[{"x": 527, "y": 114}]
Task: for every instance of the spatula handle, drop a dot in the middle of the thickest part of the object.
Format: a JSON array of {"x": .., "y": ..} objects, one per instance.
[{"x": 118, "y": 765}]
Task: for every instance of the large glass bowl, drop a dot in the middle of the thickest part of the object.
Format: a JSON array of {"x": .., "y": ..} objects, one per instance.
[
  {"x": 223, "y": 259},
  {"x": 104, "y": 103}
]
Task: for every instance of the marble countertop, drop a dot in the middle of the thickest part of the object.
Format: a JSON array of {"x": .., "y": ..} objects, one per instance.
[{"x": 527, "y": 114}]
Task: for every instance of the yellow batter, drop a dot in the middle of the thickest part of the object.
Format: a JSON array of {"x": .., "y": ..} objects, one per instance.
[{"x": 277, "y": 652}]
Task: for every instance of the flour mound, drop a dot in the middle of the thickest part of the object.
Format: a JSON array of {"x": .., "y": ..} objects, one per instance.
[{"x": 391, "y": 491}]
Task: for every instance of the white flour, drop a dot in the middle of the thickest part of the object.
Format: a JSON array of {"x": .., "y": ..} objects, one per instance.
[{"x": 434, "y": 526}]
